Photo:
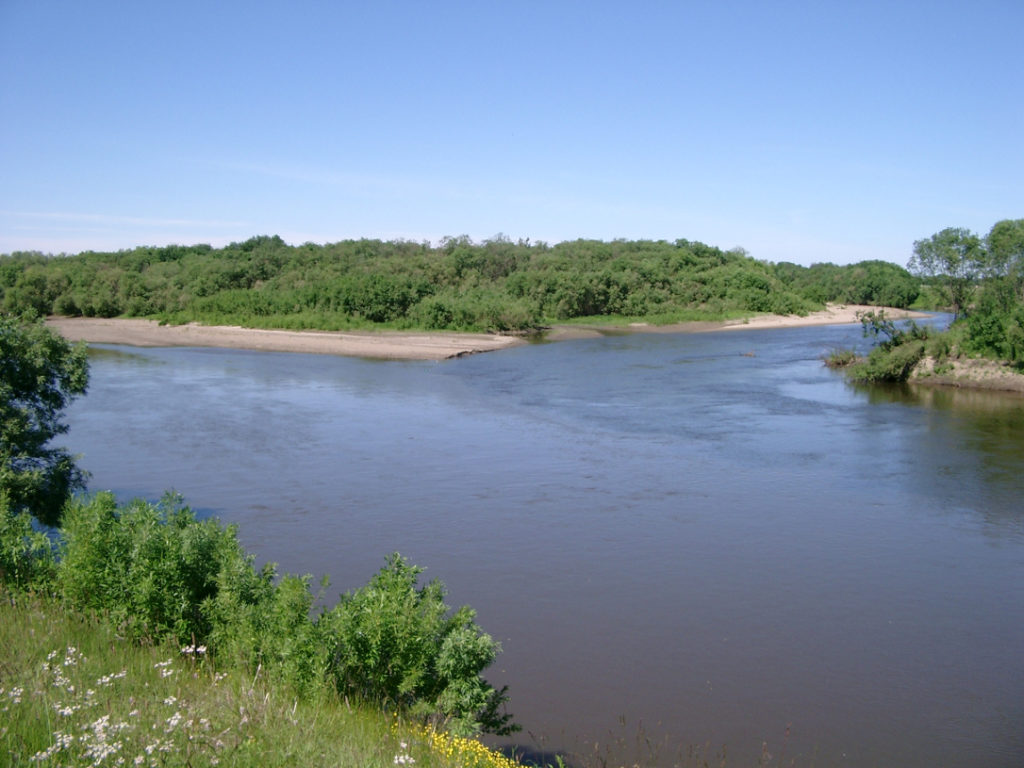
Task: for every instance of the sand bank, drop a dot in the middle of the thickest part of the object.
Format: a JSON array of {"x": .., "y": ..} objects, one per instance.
[
  {"x": 383, "y": 345},
  {"x": 833, "y": 314},
  {"x": 396, "y": 345}
]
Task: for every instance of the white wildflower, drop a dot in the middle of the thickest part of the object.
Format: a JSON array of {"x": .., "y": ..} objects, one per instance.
[
  {"x": 173, "y": 721},
  {"x": 108, "y": 679}
]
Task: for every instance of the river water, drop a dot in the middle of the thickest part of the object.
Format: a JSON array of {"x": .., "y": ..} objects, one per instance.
[{"x": 687, "y": 539}]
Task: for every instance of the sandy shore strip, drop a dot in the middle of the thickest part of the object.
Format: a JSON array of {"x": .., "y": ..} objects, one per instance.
[
  {"x": 399, "y": 345},
  {"x": 833, "y": 314},
  {"x": 383, "y": 345}
]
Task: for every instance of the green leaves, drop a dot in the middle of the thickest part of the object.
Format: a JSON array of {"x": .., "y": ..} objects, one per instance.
[
  {"x": 160, "y": 574},
  {"x": 955, "y": 258},
  {"x": 40, "y": 373},
  {"x": 393, "y": 642}
]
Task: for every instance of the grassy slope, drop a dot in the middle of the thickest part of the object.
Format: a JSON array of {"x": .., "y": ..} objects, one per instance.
[{"x": 69, "y": 680}]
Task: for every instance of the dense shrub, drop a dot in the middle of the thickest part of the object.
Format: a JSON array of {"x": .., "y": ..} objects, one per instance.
[
  {"x": 868, "y": 282},
  {"x": 27, "y": 560},
  {"x": 889, "y": 365},
  {"x": 394, "y": 643},
  {"x": 159, "y": 574},
  {"x": 150, "y": 567},
  {"x": 496, "y": 285}
]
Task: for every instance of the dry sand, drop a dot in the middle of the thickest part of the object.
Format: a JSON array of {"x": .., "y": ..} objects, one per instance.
[
  {"x": 396, "y": 345},
  {"x": 833, "y": 314},
  {"x": 382, "y": 345},
  {"x": 392, "y": 345}
]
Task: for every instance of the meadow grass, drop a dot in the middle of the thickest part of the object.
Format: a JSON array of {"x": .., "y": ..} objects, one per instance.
[{"x": 73, "y": 693}]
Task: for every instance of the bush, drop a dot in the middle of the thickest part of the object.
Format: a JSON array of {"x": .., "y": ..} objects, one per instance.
[
  {"x": 26, "y": 555},
  {"x": 393, "y": 643},
  {"x": 159, "y": 574},
  {"x": 840, "y": 358},
  {"x": 886, "y": 364},
  {"x": 263, "y": 625},
  {"x": 150, "y": 567}
]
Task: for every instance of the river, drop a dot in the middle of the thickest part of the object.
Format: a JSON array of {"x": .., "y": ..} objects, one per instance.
[{"x": 693, "y": 539}]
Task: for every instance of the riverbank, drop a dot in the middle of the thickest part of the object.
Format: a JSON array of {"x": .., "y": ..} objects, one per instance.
[
  {"x": 833, "y": 314},
  {"x": 968, "y": 373},
  {"x": 399, "y": 345},
  {"x": 382, "y": 345}
]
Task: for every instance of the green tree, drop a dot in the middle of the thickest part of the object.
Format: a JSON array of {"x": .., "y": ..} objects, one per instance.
[
  {"x": 955, "y": 258},
  {"x": 40, "y": 373},
  {"x": 1005, "y": 244}
]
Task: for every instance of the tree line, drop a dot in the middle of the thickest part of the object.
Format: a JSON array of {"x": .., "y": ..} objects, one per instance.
[{"x": 457, "y": 284}]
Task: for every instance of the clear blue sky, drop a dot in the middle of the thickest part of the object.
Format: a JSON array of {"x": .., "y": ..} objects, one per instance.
[{"x": 806, "y": 131}]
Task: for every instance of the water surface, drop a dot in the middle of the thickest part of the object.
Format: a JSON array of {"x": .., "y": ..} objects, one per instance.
[{"x": 709, "y": 534}]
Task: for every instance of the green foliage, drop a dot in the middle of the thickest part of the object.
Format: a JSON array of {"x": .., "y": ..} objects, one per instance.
[
  {"x": 1005, "y": 244},
  {"x": 897, "y": 349},
  {"x": 74, "y": 693},
  {"x": 158, "y": 574},
  {"x": 886, "y": 332},
  {"x": 40, "y": 373},
  {"x": 840, "y": 358},
  {"x": 497, "y": 285},
  {"x": 877, "y": 283},
  {"x": 954, "y": 259},
  {"x": 263, "y": 623},
  {"x": 894, "y": 364},
  {"x": 939, "y": 347},
  {"x": 394, "y": 643},
  {"x": 26, "y": 556},
  {"x": 151, "y": 568},
  {"x": 983, "y": 280}
]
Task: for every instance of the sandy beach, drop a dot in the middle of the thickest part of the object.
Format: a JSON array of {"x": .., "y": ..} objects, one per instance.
[
  {"x": 394, "y": 345},
  {"x": 833, "y": 314},
  {"x": 384, "y": 345}
]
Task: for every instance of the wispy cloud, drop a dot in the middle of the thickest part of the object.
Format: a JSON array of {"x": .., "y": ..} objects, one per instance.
[
  {"x": 76, "y": 231},
  {"x": 325, "y": 176},
  {"x": 117, "y": 220}
]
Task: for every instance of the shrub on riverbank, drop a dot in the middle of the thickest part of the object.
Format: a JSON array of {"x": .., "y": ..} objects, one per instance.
[
  {"x": 159, "y": 575},
  {"x": 74, "y": 693}
]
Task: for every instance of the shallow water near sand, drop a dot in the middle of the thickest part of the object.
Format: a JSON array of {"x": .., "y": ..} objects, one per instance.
[{"x": 707, "y": 538}]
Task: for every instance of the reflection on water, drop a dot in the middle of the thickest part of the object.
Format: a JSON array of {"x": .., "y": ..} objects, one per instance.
[{"x": 711, "y": 534}]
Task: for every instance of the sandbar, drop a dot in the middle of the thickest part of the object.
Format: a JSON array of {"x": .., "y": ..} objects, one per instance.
[
  {"x": 399, "y": 345},
  {"x": 833, "y": 314},
  {"x": 382, "y": 345}
]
